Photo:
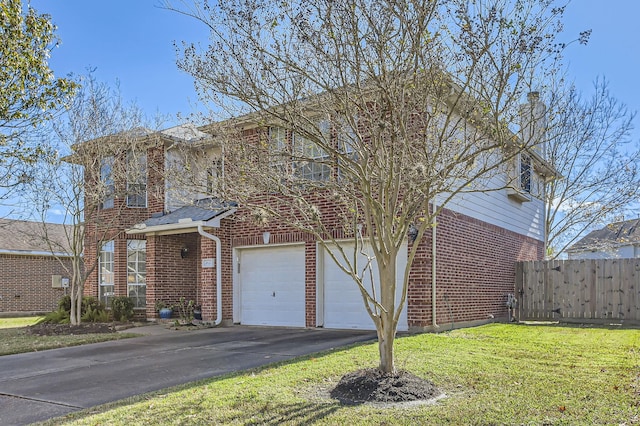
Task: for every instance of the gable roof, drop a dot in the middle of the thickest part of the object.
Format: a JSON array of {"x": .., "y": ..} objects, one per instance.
[
  {"x": 28, "y": 238},
  {"x": 613, "y": 234}
]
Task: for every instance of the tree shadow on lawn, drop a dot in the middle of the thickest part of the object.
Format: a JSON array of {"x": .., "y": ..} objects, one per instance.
[{"x": 298, "y": 413}]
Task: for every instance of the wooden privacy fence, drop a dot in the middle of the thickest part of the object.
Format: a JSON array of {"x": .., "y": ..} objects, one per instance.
[{"x": 602, "y": 290}]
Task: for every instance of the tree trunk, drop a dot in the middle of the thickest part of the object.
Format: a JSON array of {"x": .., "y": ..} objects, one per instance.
[
  {"x": 386, "y": 327},
  {"x": 76, "y": 302}
]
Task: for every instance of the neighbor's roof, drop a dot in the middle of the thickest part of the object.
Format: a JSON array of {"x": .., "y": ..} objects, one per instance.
[
  {"x": 29, "y": 238},
  {"x": 203, "y": 212},
  {"x": 614, "y": 234}
]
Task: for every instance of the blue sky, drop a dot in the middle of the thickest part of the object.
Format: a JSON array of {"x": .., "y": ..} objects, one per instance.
[{"x": 132, "y": 41}]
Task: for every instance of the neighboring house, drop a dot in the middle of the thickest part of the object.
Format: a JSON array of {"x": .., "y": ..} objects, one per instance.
[
  {"x": 273, "y": 275},
  {"x": 616, "y": 240},
  {"x": 31, "y": 278}
]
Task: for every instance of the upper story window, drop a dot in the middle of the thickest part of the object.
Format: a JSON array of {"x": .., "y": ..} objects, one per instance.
[
  {"x": 348, "y": 140},
  {"x": 525, "y": 173},
  {"x": 214, "y": 172},
  {"x": 106, "y": 180},
  {"x": 136, "y": 180},
  {"x": 278, "y": 151},
  {"x": 312, "y": 161},
  {"x": 521, "y": 178}
]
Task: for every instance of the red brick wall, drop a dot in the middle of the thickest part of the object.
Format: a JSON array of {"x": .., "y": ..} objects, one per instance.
[
  {"x": 475, "y": 260},
  {"x": 169, "y": 276},
  {"x": 25, "y": 283},
  {"x": 110, "y": 224},
  {"x": 207, "y": 289},
  {"x": 475, "y": 271}
]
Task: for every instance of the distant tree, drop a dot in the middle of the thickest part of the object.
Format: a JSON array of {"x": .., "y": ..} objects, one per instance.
[
  {"x": 380, "y": 110},
  {"x": 589, "y": 143},
  {"x": 84, "y": 178},
  {"x": 29, "y": 93}
]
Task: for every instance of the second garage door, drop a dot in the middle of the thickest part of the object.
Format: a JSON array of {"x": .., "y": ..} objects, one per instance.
[
  {"x": 343, "y": 306},
  {"x": 272, "y": 284}
]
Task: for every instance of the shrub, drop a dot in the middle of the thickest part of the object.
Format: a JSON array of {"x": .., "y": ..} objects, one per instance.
[
  {"x": 185, "y": 309},
  {"x": 95, "y": 315},
  {"x": 92, "y": 311},
  {"x": 56, "y": 317},
  {"x": 122, "y": 308}
]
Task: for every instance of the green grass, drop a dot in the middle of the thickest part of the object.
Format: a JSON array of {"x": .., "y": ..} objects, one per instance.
[
  {"x": 14, "y": 338},
  {"x": 494, "y": 374},
  {"x": 18, "y": 322}
]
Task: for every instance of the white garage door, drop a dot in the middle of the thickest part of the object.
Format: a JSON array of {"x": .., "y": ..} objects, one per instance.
[
  {"x": 272, "y": 286},
  {"x": 343, "y": 303}
]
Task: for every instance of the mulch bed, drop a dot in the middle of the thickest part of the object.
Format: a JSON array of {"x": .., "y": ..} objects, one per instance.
[
  {"x": 50, "y": 329},
  {"x": 372, "y": 385}
]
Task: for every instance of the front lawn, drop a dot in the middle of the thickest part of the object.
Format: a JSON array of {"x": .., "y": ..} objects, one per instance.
[
  {"x": 14, "y": 338},
  {"x": 494, "y": 374},
  {"x": 18, "y": 321}
]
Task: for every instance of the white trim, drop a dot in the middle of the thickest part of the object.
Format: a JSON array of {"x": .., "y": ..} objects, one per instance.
[
  {"x": 319, "y": 284},
  {"x": 183, "y": 226},
  {"x": 237, "y": 290}
]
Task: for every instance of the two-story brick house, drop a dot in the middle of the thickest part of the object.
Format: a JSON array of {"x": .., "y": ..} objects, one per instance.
[{"x": 239, "y": 272}]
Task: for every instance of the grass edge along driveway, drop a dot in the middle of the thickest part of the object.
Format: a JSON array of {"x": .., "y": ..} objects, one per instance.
[
  {"x": 492, "y": 374},
  {"x": 14, "y": 338}
]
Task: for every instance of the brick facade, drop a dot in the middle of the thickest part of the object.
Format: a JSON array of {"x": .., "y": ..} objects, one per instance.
[
  {"x": 110, "y": 225},
  {"x": 475, "y": 270},
  {"x": 475, "y": 261},
  {"x": 26, "y": 283}
]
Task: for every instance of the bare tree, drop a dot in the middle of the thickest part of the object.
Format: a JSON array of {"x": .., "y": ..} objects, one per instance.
[
  {"x": 361, "y": 120},
  {"x": 590, "y": 145},
  {"x": 84, "y": 179}
]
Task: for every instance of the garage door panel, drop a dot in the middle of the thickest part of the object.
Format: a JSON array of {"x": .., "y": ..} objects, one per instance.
[
  {"x": 343, "y": 302},
  {"x": 272, "y": 286}
]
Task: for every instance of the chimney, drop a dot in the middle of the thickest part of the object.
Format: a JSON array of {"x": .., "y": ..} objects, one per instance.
[{"x": 533, "y": 123}]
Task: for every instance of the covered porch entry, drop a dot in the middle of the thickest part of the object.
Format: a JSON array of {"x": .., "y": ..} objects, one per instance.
[{"x": 187, "y": 253}]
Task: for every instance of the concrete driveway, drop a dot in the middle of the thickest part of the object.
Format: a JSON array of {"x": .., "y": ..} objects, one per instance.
[{"x": 40, "y": 385}]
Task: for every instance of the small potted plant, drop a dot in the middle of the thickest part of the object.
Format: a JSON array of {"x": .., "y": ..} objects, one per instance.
[
  {"x": 163, "y": 310},
  {"x": 197, "y": 312}
]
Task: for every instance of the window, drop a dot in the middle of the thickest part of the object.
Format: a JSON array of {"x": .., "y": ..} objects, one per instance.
[
  {"x": 278, "y": 148},
  {"x": 314, "y": 163},
  {"x": 213, "y": 174},
  {"x": 136, "y": 180},
  {"x": 347, "y": 142},
  {"x": 106, "y": 180},
  {"x": 521, "y": 180},
  {"x": 105, "y": 273},
  {"x": 525, "y": 173},
  {"x": 137, "y": 272}
]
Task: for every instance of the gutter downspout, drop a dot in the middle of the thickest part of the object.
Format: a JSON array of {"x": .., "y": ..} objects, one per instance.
[
  {"x": 218, "y": 273},
  {"x": 433, "y": 272}
]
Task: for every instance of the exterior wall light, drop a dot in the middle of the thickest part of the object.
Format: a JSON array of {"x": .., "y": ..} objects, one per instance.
[
  {"x": 412, "y": 233},
  {"x": 184, "y": 251}
]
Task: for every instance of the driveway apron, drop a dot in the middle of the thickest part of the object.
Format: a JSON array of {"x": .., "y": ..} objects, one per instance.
[{"x": 40, "y": 385}]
